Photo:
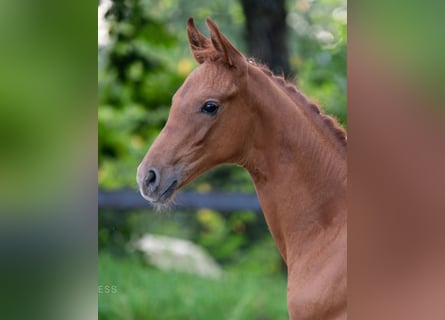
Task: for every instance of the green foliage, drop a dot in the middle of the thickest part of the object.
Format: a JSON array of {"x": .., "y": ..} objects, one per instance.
[
  {"x": 145, "y": 293},
  {"x": 318, "y": 52},
  {"x": 135, "y": 86},
  {"x": 224, "y": 237},
  {"x": 262, "y": 258}
]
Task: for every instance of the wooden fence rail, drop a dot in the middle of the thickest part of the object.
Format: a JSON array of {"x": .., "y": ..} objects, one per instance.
[{"x": 131, "y": 199}]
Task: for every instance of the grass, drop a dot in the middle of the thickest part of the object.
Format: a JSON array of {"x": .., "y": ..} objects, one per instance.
[{"x": 145, "y": 293}]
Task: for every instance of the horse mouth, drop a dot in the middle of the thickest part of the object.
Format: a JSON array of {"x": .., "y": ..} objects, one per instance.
[{"x": 165, "y": 196}]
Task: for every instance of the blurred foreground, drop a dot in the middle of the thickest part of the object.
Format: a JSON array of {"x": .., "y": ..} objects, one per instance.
[{"x": 130, "y": 289}]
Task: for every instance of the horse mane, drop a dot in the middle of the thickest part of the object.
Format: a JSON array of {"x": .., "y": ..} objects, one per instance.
[{"x": 309, "y": 107}]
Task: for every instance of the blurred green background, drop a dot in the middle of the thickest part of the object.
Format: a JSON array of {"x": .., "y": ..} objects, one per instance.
[{"x": 143, "y": 59}]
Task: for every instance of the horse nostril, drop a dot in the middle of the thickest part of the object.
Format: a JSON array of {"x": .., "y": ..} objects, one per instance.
[
  {"x": 151, "y": 176},
  {"x": 152, "y": 179}
]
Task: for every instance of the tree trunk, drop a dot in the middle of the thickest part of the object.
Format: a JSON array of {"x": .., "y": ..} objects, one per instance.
[{"x": 267, "y": 33}]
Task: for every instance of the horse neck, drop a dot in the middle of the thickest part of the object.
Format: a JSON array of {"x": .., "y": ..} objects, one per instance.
[{"x": 297, "y": 166}]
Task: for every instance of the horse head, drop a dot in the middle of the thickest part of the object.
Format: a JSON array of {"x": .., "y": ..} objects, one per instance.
[{"x": 208, "y": 122}]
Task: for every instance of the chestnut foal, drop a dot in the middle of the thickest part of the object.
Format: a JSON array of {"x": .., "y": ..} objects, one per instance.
[{"x": 231, "y": 110}]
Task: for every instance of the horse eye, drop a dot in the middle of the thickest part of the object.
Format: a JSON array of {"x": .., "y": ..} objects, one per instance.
[{"x": 210, "y": 107}]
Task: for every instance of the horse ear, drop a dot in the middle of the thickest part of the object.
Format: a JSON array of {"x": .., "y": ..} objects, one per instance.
[
  {"x": 199, "y": 44},
  {"x": 229, "y": 53}
]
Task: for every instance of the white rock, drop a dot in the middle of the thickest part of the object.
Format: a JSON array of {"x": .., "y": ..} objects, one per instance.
[{"x": 169, "y": 253}]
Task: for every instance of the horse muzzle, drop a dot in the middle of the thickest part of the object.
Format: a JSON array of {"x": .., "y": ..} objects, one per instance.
[{"x": 155, "y": 187}]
